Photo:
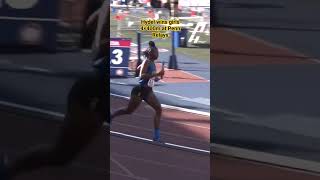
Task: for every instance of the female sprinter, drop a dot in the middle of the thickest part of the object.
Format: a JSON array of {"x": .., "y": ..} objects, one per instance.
[
  {"x": 144, "y": 91},
  {"x": 86, "y": 112}
]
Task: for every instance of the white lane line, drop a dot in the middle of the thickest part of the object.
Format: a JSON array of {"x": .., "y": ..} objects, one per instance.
[
  {"x": 36, "y": 69},
  {"x": 32, "y": 109},
  {"x": 162, "y": 144},
  {"x": 122, "y": 167},
  {"x": 229, "y": 112},
  {"x": 270, "y": 44},
  {"x": 278, "y": 160},
  {"x": 165, "y": 133},
  {"x": 195, "y": 75},
  {"x": 169, "y": 94},
  {"x": 186, "y": 147},
  {"x": 118, "y": 83},
  {"x": 131, "y": 136},
  {"x": 198, "y": 100},
  {"x": 172, "y": 107}
]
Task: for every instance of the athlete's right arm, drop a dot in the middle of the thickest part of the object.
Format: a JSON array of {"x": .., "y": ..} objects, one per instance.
[{"x": 144, "y": 74}]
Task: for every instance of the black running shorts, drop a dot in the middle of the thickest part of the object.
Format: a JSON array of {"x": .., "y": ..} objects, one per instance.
[{"x": 141, "y": 91}]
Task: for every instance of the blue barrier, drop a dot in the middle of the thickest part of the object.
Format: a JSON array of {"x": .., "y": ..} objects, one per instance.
[{"x": 176, "y": 39}]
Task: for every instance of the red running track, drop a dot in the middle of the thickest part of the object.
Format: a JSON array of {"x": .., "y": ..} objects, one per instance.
[
  {"x": 138, "y": 160},
  {"x": 228, "y": 168},
  {"x": 180, "y": 76}
]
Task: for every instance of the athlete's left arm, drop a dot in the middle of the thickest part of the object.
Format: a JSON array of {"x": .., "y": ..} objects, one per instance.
[
  {"x": 103, "y": 26},
  {"x": 93, "y": 18}
]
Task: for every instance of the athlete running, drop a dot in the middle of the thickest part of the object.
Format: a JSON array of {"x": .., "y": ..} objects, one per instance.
[
  {"x": 86, "y": 112},
  {"x": 144, "y": 90}
]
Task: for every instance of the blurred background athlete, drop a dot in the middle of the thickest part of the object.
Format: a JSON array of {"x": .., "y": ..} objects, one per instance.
[{"x": 86, "y": 112}]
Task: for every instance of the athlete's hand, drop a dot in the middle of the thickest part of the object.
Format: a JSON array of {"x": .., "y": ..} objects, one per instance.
[{"x": 161, "y": 73}]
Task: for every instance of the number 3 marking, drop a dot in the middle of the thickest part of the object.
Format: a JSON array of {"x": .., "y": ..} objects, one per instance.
[{"x": 118, "y": 54}]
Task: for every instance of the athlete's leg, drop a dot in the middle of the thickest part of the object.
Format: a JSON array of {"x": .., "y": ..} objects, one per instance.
[
  {"x": 81, "y": 124},
  {"x": 134, "y": 102},
  {"x": 153, "y": 101}
]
